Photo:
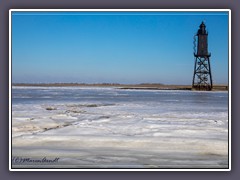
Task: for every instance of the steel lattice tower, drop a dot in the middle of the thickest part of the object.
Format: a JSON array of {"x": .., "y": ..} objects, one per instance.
[{"x": 202, "y": 76}]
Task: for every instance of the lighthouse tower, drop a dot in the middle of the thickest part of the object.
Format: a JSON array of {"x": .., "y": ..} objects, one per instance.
[{"x": 202, "y": 76}]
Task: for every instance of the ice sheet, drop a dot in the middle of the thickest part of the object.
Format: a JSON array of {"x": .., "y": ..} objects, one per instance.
[{"x": 108, "y": 128}]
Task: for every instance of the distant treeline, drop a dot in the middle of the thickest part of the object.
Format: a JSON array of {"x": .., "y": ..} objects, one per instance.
[
  {"x": 83, "y": 84},
  {"x": 152, "y": 86}
]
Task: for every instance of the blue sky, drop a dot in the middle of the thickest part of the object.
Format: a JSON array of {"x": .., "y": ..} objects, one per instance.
[{"x": 114, "y": 47}]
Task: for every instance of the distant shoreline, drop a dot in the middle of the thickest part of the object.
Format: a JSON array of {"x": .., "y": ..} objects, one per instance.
[{"x": 144, "y": 86}]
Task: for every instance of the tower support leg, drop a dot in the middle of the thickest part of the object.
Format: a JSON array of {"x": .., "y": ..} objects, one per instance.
[{"x": 202, "y": 76}]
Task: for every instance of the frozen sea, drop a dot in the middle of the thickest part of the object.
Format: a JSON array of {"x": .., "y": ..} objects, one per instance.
[{"x": 102, "y": 127}]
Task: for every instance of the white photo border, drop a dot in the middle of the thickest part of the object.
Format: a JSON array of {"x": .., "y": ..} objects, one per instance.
[{"x": 118, "y": 10}]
